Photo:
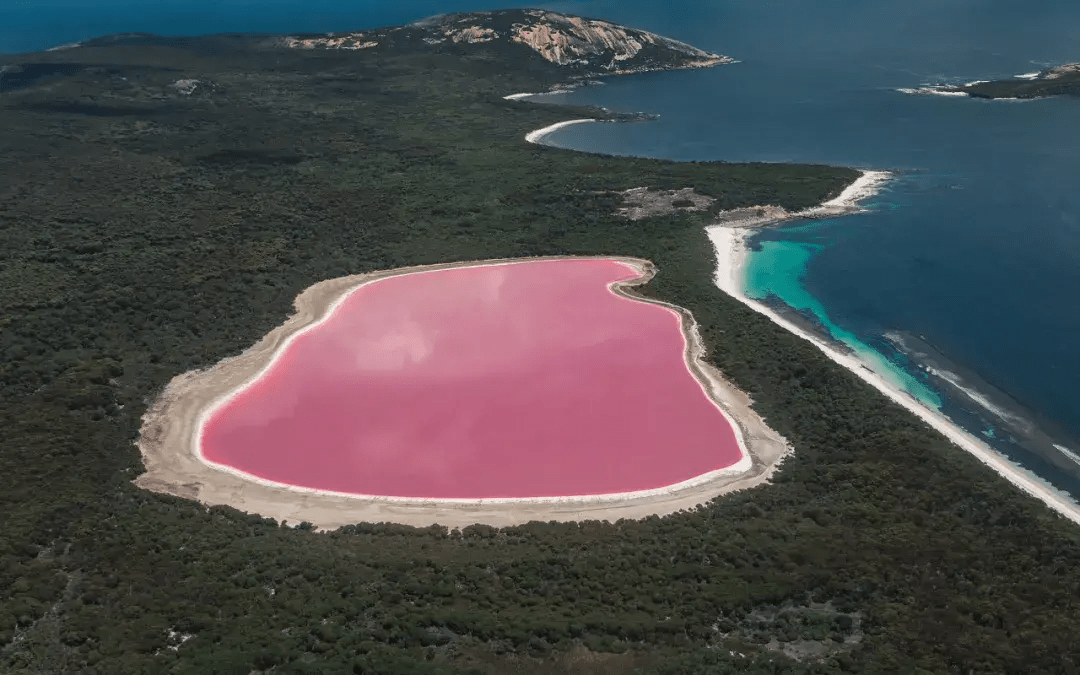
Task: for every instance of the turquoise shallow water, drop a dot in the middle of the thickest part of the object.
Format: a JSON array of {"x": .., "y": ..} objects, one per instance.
[
  {"x": 777, "y": 269},
  {"x": 960, "y": 279}
]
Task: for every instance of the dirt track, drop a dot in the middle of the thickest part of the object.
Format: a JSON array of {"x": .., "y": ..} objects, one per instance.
[{"x": 168, "y": 440}]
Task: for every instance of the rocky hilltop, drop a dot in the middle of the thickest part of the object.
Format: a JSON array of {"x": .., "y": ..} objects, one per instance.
[
  {"x": 1065, "y": 71},
  {"x": 558, "y": 50},
  {"x": 1059, "y": 81},
  {"x": 583, "y": 47}
]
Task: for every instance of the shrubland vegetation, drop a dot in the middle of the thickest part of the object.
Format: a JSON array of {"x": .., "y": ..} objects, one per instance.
[
  {"x": 1066, "y": 84},
  {"x": 146, "y": 232}
]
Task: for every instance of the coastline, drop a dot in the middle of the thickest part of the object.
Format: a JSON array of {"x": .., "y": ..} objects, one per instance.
[
  {"x": 170, "y": 437},
  {"x": 932, "y": 91},
  {"x": 536, "y": 136},
  {"x": 754, "y": 217},
  {"x": 729, "y": 240}
]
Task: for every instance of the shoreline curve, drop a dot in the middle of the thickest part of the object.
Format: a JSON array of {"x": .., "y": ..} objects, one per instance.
[
  {"x": 171, "y": 429},
  {"x": 538, "y": 135},
  {"x": 729, "y": 236}
]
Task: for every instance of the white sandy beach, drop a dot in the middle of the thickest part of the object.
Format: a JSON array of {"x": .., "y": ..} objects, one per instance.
[
  {"x": 729, "y": 239},
  {"x": 553, "y": 92},
  {"x": 752, "y": 217},
  {"x": 538, "y": 135}
]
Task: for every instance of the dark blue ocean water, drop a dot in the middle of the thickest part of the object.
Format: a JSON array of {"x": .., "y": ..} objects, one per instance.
[
  {"x": 967, "y": 265},
  {"x": 31, "y": 25}
]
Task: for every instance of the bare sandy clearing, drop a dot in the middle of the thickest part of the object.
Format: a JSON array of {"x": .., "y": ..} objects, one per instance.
[{"x": 643, "y": 202}]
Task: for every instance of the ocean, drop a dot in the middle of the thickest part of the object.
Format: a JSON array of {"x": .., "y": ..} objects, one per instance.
[
  {"x": 960, "y": 277},
  {"x": 963, "y": 272},
  {"x": 32, "y": 25}
]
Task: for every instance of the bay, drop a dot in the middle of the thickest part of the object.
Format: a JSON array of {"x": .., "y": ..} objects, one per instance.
[{"x": 965, "y": 266}]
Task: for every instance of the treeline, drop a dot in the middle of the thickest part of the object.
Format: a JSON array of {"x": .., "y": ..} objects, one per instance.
[{"x": 138, "y": 246}]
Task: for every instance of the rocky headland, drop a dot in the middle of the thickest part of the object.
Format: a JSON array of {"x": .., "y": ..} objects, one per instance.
[
  {"x": 1059, "y": 81},
  {"x": 584, "y": 47}
]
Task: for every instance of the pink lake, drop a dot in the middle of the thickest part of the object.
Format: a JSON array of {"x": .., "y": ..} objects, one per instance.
[{"x": 514, "y": 380}]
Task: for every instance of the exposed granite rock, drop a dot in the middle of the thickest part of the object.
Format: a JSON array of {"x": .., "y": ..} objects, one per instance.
[
  {"x": 186, "y": 87},
  {"x": 568, "y": 51},
  {"x": 564, "y": 39},
  {"x": 472, "y": 35},
  {"x": 354, "y": 41},
  {"x": 1060, "y": 71},
  {"x": 582, "y": 46}
]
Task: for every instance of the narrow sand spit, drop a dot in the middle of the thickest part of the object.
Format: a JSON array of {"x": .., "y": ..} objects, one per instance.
[
  {"x": 171, "y": 426},
  {"x": 538, "y": 135},
  {"x": 729, "y": 239}
]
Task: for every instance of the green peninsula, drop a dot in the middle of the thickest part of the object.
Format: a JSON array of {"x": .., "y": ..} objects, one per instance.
[
  {"x": 1060, "y": 81},
  {"x": 162, "y": 202}
]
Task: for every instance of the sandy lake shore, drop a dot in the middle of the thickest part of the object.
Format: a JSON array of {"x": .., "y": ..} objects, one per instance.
[{"x": 169, "y": 439}]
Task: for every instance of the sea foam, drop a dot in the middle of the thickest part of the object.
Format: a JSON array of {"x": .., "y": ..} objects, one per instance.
[
  {"x": 1068, "y": 453},
  {"x": 930, "y": 91}
]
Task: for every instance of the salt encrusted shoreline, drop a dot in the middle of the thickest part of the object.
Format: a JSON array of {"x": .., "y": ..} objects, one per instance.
[
  {"x": 729, "y": 239},
  {"x": 169, "y": 438}
]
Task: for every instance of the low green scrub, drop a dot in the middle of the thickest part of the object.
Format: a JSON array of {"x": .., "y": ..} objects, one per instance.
[{"x": 171, "y": 231}]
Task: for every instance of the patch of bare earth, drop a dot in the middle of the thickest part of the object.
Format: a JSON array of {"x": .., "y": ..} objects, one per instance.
[
  {"x": 643, "y": 202},
  {"x": 809, "y": 633}
]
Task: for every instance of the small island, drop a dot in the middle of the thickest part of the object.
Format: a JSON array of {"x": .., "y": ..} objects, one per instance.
[{"x": 1060, "y": 81}]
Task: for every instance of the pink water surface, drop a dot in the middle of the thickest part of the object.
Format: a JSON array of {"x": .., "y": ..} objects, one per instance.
[{"x": 515, "y": 380}]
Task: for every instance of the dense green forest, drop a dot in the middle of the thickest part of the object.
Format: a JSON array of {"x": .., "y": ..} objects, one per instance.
[{"x": 145, "y": 231}]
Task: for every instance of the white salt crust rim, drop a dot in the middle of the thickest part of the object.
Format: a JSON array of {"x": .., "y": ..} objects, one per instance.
[{"x": 743, "y": 465}]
